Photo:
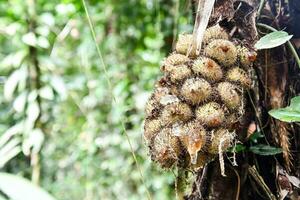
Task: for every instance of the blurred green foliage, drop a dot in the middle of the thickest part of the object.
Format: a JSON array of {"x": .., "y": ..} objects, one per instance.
[{"x": 66, "y": 115}]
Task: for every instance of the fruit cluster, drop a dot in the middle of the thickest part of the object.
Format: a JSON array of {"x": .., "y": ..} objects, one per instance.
[{"x": 190, "y": 114}]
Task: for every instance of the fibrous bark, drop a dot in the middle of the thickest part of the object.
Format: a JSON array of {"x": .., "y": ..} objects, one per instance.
[{"x": 276, "y": 81}]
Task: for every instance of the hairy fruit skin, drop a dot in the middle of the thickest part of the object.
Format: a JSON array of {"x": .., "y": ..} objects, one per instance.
[
  {"x": 210, "y": 114},
  {"x": 193, "y": 136},
  {"x": 151, "y": 128},
  {"x": 223, "y": 51},
  {"x": 166, "y": 148},
  {"x": 229, "y": 95},
  {"x": 176, "y": 59},
  {"x": 213, "y": 33},
  {"x": 185, "y": 41},
  {"x": 240, "y": 76},
  {"x": 208, "y": 68},
  {"x": 178, "y": 72},
  {"x": 196, "y": 104},
  {"x": 220, "y": 139},
  {"x": 196, "y": 90},
  {"x": 246, "y": 56},
  {"x": 175, "y": 112}
]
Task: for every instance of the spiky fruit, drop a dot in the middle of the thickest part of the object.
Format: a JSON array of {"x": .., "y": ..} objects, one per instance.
[
  {"x": 152, "y": 108},
  {"x": 184, "y": 43},
  {"x": 192, "y": 135},
  {"x": 246, "y": 56},
  {"x": 177, "y": 72},
  {"x": 165, "y": 148},
  {"x": 213, "y": 33},
  {"x": 223, "y": 51},
  {"x": 151, "y": 128},
  {"x": 208, "y": 68},
  {"x": 193, "y": 111},
  {"x": 240, "y": 76},
  {"x": 176, "y": 59},
  {"x": 210, "y": 114},
  {"x": 176, "y": 112},
  {"x": 229, "y": 95},
  {"x": 221, "y": 140},
  {"x": 196, "y": 90}
]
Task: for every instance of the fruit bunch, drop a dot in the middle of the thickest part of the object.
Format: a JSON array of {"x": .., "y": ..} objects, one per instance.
[{"x": 189, "y": 116}]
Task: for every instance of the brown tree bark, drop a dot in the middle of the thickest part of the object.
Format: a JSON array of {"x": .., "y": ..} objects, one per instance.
[{"x": 275, "y": 76}]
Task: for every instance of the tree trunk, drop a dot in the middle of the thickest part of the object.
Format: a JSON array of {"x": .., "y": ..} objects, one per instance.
[{"x": 275, "y": 76}]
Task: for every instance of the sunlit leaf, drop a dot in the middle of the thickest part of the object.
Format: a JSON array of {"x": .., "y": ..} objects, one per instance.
[
  {"x": 9, "y": 150},
  {"x": 33, "y": 111},
  {"x": 13, "y": 59},
  {"x": 48, "y": 19},
  {"x": 290, "y": 113},
  {"x": 59, "y": 86},
  {"x": 29, "y": 39},
  {"x": 265, "y": 150},
  {"x": 18, "y": 188},
  {"x": 272, "y": 40},
  {"x": 15, "y": 129},
  {"x": 11, "y": 85},
  {"x": 47, "y": 93},
  {"x": 256, "y": 135},
  {"x": 43, "y": 42},
  {"x": 33, "y": 142},
  {"x": 20, "y": 102}
]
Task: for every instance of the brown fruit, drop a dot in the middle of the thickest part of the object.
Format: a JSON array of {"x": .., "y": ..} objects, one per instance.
[
  {"x": 195, "y": 139},
  {"x": 223, "y": 51},
  {"x": 177, "y": 72},
  {"x": 210, "y": 114},
  {"x": 184, "y": 43},
  {"x": 246, "y": 56},
  {"x": 196, "y": 90},
  {"x": 175, "y": 59},
  {"x": 151, "y": 128},
  {"x": 153, "y": 104},
  {"x": 176, "y": 112},
  {"x": 229, "y": 95},
  {"x": 165, "y": 148},
  {"x": 213, "y": 33},
  {"x": 221, "y": 140},
  {"x": 240, "y": 76},
  {"x": 208, "y": 68}
]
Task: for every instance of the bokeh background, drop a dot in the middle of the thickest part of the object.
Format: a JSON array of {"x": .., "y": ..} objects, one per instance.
[{"x": 59, "y": 125}]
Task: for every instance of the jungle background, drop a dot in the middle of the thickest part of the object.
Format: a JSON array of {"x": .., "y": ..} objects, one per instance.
[
  {"x": 59, "y": 125},
  {"x": 74, "y": 79}
]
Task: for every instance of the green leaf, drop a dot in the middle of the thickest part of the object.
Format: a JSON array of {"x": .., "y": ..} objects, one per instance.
[
  {"x": 265, "y": 150},
  {"x": 272, "y": 40},
  {"x": 30, "y": 39},
  {"x": 59, "y": 86},
  {"x": 33, "y": 111},
  {"x": 237, "y": 148},
  {"x": 290, "y": 113},
  {"x": 18, "y": 188},
  {"x": 33, "y": 142},
  {"x": 256, "y": 136},
  {"x": 20, "y": 102},
  {"x": 11, "y": 84}
]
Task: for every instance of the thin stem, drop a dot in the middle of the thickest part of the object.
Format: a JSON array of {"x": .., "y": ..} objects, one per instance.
[
  {"x": 176, "y": 18},
  {"x": 113, "y": 97},
  {"x": 290, "y": 45},
  {"x": 260, "y": 181},
  {"x": 260, "y": 8},
  {"x": 35, "y": 73}
]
